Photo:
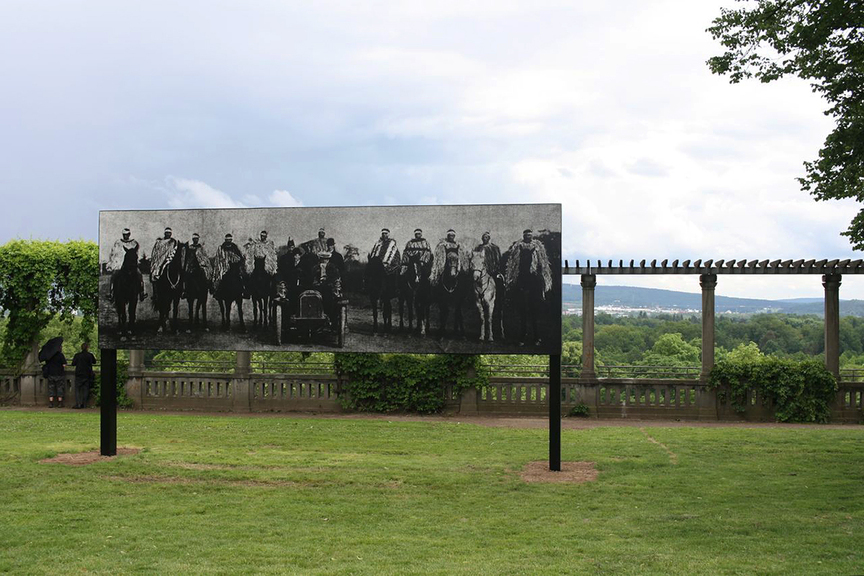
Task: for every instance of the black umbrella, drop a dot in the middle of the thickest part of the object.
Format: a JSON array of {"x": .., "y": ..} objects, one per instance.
[{"x": 50, "y": 348}]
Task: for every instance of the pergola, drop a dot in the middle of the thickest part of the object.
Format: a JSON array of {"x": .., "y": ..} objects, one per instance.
[{"x": 831, "y": 271}]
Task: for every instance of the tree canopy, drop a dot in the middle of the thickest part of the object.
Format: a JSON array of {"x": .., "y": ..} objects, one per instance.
[
  {"x": 821, "y": 41},
  {"x": 40, "y": 279}
]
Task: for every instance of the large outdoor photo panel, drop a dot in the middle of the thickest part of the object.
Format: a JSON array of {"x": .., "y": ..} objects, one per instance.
[{"x": 471, "y": 279}]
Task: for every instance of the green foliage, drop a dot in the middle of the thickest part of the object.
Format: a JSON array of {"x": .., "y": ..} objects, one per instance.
[
  {"x": 123, "y": 401},
  {"x": 672, "y": 350},
  {"x": 580, "y": 410},
  {"x": 801, "y": 391},
  {"x": 40, "y": 279},
  {"x": 821, "y": 41},
  {"x": 745, "y": 353},
  {"x": 404, "y": 382},
  {"x": 527, "y": 365}
]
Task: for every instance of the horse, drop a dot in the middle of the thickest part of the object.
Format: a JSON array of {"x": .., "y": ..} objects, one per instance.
[
  {"x": 261, "y": 290},
  {"x": 414, "y": 289},
  {"x": 485, "y": 291},
  {"x": 127, "y": 290},
  {"x": 168, "y": 288},
  {"x": 196, "y": 287},
  {"x": 381, "y": 287},
  {"x": 230, "y": 291},
  {"x": 451, "y": 291}
]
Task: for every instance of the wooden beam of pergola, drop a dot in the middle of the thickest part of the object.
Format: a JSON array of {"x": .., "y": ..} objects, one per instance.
[{"x": 835, "y": 266}]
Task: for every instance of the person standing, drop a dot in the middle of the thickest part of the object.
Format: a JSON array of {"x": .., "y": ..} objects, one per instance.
[
  {"x": 83, "y": 362},
  {"x": 55, "y": 371}
]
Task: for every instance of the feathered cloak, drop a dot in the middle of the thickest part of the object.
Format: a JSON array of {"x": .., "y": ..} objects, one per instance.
[
  {"x": 163, "y": 253},
  {"x": 118, "y": 254},
  {"x": 539, "y": 267},
  {"x": 258, "y": 249}
]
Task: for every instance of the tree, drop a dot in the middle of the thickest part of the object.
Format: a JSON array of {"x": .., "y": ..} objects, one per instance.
[
  {"x": 41, "y": 279},
  {"x": 672, "y": 350},
  {"x": 821, "y": 41}
]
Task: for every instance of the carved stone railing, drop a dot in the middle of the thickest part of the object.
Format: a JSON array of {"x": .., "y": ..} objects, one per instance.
[
  {"x": 10, "y": 387},
  {"x": 637, "y": 398}
]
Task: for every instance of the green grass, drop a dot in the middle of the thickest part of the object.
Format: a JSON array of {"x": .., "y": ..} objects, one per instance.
[{"x": 297, "y": 495}]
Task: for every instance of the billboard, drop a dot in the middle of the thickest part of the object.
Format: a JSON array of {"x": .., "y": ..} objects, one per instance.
[{"x": 470, "y": 279}]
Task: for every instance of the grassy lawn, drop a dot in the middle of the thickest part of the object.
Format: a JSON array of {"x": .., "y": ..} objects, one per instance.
[{"x": 298, "y": 495}]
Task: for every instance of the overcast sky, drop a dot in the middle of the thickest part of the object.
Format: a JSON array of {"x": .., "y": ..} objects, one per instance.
[{"x": 607, "y": 108}]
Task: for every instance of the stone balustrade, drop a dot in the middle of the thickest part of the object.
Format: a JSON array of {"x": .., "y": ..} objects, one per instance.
[{"x": 243, "y": 390}]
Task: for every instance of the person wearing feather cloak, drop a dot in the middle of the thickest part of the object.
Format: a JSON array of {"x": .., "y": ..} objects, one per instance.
[
  {"x": 116, "y": 259},
  {"x": 528, "y": 279}
]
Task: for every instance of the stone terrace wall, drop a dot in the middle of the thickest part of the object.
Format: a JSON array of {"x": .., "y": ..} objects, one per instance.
[{"x": 240, "y": 391}]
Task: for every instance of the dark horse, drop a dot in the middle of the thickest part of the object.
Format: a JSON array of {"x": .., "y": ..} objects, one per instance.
[
  {"x": 196, "y": 286},
  {"x": 415, "y": 290},
  {"x": 230, "y": 290},
  {"x": 451, "y": 289},
  {"x": 381, "y": 287},
  {"x": 261, "y": 290},
  {"x": 168, "y": 289},
  {"x": 127, "y": 290}
]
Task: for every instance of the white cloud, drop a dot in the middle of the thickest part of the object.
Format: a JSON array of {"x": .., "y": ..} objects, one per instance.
[
  {"x": 284, "y": 198},
  {"x": 188, "y": 193}
]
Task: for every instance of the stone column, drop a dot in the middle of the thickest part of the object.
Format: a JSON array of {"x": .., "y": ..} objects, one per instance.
[
  {"x": 589, "y": 281},
  {"x": 135, "y": 378},
  {"x": 31, "y": 372},
  {"x": 831, "y": 282},
  {"x": 468, "y": 401},
  {"x": 241, "y": 386},
  {"x": 708, "y": 283}
]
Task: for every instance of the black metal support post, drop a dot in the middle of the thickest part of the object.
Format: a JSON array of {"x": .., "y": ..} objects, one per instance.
[
  {"x": 108, "y": 402},
  {"x": 555, "y": 412}
]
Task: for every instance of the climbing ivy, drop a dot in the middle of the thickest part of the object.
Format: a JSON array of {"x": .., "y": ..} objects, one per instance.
[
  {"x": 404, "y": 382},
  {"x": 40, "y": 279},
  {"x": 801, "y": 391}
]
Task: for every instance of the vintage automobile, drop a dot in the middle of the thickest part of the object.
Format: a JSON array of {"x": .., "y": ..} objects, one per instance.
[{"x": 310, "y": 311}]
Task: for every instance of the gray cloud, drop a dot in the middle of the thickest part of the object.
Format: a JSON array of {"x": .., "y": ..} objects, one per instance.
[{"x": 163, "y": 104}]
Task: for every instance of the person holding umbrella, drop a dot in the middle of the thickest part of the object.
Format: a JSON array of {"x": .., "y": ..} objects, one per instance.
[{"x": 54, "y": 369}]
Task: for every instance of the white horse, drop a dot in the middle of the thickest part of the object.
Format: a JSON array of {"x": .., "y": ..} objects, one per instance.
[{"x": 484, "y": 293}]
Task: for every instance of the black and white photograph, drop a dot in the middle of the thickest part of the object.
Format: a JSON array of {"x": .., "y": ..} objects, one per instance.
[{"x": 466, "y": 279}]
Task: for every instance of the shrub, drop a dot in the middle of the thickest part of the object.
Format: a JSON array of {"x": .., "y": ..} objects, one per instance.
[
  {"x": 580, "y": 410},
  {"x": 801, "y": 390},
  {"x": 403, "y": 382}
]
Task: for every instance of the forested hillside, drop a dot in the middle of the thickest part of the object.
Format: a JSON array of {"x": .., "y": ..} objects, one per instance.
[{"x": 671, "y": 300}]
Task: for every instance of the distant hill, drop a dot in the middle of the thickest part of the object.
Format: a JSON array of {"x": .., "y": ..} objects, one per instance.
[{"x": 620, "y": 299}]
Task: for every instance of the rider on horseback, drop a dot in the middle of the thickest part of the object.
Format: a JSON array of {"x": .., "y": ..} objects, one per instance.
[
  {"x": 416, "y": 249},
  {"x": 227, "y": 254},
  {"x": 385, "y": 249},
  {"x": 446, "y": 247},
  {"x": 199, "y": 254},
  {"x": 529, "y": 277},
  {"x": 262, "y": 249},
  {"x": 162, "y": 254},
  {"x": 115, "y": 262},
  {"x": 492, "y": 258}
]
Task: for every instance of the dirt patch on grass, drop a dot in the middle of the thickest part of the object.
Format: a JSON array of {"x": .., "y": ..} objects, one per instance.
[
  {"x": 571, "y": 472},
  {"x": 151, "y": 479},
  {"x": 84, "y": 458},
  {"x": 249, "y": 483},
  {"x": 673, "y": 458}
]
